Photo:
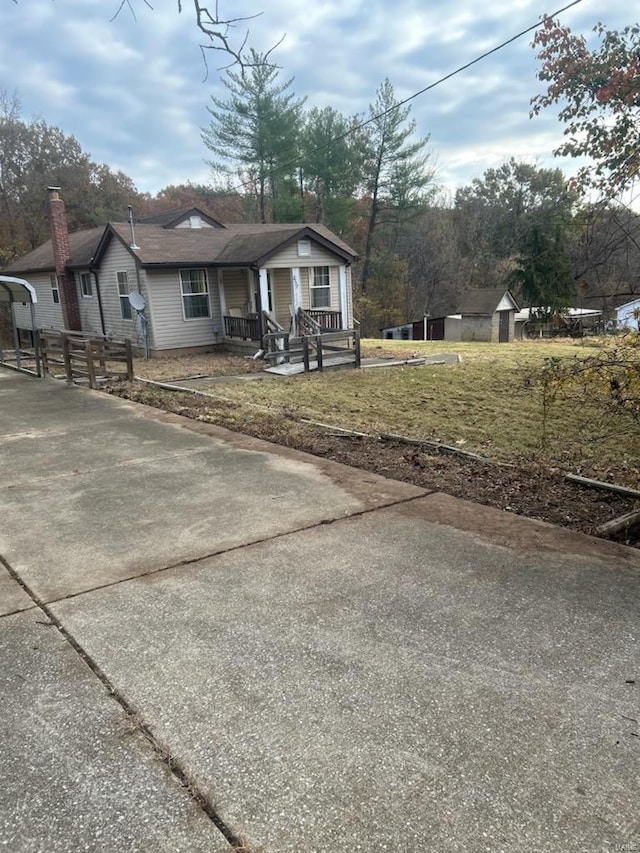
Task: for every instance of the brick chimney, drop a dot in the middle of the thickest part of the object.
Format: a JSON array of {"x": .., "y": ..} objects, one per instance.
[{"x": 62, "y": 256}]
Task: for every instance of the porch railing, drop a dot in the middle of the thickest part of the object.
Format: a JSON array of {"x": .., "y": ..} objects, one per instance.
[
  {"x": 329, "y": 321},
  {"x": 315, "y": 352},
  {"x": 247, "y": 328}
]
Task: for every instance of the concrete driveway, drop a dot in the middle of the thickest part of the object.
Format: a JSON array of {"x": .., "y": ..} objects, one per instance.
[{"x": 209, "y": 641}]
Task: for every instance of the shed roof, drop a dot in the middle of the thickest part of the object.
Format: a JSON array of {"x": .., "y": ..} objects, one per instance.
[
  {"x": 486, "y": 301},
  {"x": 635, "y": 301}
]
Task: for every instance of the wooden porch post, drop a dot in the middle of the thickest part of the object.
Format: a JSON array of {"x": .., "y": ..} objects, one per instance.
[
  {"x": 296, "y": 297},
  {"x": 263, "y": 295},
  {"x": 221, "y": 295},
  {"x": 342, "y": 292}
]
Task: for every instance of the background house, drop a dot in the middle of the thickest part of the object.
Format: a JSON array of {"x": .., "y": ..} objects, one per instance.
[
  {"x": 626, "y": 317},
  {"x": 201, "y": 282}
]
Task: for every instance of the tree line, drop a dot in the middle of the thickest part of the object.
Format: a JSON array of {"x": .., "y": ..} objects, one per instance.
[{"x": 373, "y": 181}]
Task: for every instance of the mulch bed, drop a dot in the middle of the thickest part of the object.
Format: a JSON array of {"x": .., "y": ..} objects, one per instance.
[{"x": 528, "y": 489}]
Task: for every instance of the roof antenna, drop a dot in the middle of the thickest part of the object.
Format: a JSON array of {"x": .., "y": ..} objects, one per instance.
[{"x": 132, "y": 244}]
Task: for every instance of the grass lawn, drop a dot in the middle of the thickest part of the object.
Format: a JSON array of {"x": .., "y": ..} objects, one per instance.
[{"x": 491, "y": 403}]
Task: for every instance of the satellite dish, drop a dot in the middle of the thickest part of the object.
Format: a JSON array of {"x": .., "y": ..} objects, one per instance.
[{"x": 137, "y": 301}]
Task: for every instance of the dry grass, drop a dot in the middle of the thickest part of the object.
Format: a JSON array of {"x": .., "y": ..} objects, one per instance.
[
  {"x": 491, "y": 403},
  {"x": 170, "y": 369}
]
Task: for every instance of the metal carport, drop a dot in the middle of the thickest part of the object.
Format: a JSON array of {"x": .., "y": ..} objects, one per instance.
[{"x": 14, "y": 290}]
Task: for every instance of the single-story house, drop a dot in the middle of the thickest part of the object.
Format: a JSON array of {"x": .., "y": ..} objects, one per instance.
[
  {"x": 626, "y": 316},
  {"x": 186, "y": 279},
  {"x": 488, "y": 314}
]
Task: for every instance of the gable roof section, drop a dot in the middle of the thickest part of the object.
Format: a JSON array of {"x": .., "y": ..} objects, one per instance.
[
  {"x": 173, "y": 218},
  {"x": 255, "y": 244},
  {"x": 233, "y": 245},
  {"x": 83, "y": 247},
  {"x": 485, "y": 301}
]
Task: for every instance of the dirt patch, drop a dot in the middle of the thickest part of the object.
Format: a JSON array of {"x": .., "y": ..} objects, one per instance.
[
  {"x": 528, "y": 489},
  {"x": 218, "y": 363}
]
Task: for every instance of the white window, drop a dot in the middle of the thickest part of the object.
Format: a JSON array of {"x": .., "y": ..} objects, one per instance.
[
  {"x": 195, "y": 294},
  {"x": 86, "y": 286},
  {"x": 55, "y": 290},
  {"x": 320, "y": 287},
  {"x": 304, "y": 247},
  {"x": 195, "y": 222},
  {"x": 123, "y": 294}
]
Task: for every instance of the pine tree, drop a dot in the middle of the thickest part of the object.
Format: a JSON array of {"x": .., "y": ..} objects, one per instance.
[{"x": 254, "y": 132}]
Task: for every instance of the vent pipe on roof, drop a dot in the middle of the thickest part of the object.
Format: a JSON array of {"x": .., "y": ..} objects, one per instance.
[{"x": 132, "y": 244}]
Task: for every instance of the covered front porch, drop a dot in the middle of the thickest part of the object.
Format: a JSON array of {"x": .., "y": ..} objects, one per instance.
[{"x": 255, "y": 302}]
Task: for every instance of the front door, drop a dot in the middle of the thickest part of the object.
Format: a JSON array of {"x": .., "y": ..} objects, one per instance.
[{"x": 503, "y": 331}]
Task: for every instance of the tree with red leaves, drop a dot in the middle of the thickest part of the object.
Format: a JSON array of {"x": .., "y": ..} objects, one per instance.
[{"x": 599, "y": 90}]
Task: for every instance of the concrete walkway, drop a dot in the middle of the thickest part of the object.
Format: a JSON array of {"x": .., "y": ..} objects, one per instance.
[{"x": 207, "y": 640}]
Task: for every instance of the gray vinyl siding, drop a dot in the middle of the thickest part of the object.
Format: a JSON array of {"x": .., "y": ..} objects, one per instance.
[
  {"x": 281, "y": 295},
  {"x": 48, "y": 314},
  {"x": 170, "y": 329},
  {"x": 118, "y": 258},
  {"x": 236, "y": 289},
  {"x": 88, "y": 306},
  {"x": 289, "y": 257}
]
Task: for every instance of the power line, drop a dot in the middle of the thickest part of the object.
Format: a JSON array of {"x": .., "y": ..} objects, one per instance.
[{"x": 417, "y": 94}]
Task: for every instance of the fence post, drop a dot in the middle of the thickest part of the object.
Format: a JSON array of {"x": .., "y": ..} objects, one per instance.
[
  {"x": 305, "y": 353},
  {"x": 129, "y": 354},
  {"x": 319, "y": 351},
  {"x": 356, "y": 341},
  {"x": 66, "y": 357},
  {"x": 91, "y": 370}
]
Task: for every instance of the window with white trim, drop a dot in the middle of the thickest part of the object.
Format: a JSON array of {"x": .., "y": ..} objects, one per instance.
[
  {"x": 195, "y": 294},
  {"x": 55, "y": 289},
  {"x": 320, "y": 287},
  {"x": 123, "y": 295},
  {"x": 86, "y": 285},
  {"x": 304, "y": 247}
]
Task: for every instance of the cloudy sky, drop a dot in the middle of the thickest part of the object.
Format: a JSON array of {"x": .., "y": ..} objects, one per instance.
[{"x": 134, "y": 94}]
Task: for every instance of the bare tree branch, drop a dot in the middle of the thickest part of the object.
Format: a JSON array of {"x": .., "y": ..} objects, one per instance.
[{"x": 216, "y": 29}]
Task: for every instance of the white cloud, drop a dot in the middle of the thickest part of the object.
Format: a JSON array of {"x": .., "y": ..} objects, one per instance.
[{"x": 132, "y": 92}]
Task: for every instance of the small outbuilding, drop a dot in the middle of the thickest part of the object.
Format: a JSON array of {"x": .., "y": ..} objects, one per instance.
[
  {"x": 427, "y": 329},
  {"x": 488, "y": 314},
  {"x": 628, "y": 315}
]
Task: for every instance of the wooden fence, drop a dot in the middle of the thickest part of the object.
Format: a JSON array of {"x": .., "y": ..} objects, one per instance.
[
  {"x": 327, "y": 349},
  {"x": 91, "y": 360}
]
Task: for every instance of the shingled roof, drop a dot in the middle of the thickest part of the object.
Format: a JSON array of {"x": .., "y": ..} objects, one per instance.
[
  {"x": 159, "y": 245},
  {"x": 172, "y": 218},
  {"x": 233, "y": 245},
  {"x": 83, "y": 247},
  {"x": 485, "y": 301}
]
